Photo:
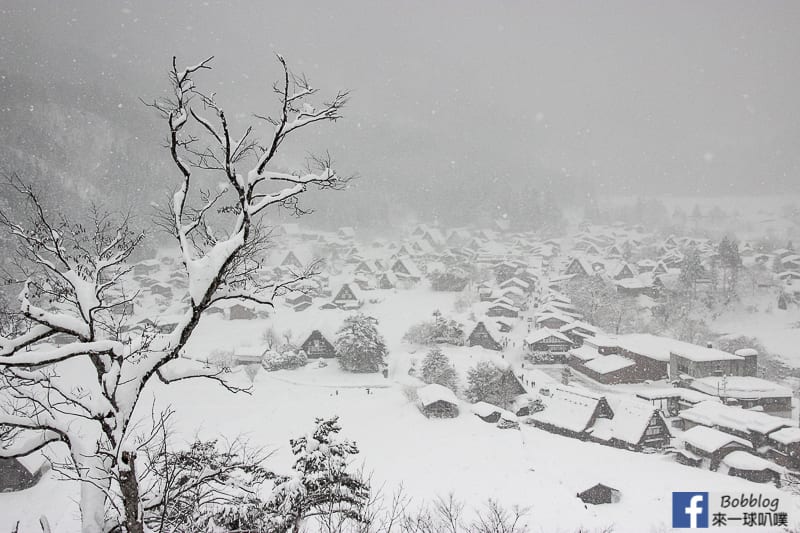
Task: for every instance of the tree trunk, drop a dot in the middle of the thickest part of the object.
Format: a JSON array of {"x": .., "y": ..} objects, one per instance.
[
  {"x": 129, "y": 487},
  {"x": 93, "y": 495}
]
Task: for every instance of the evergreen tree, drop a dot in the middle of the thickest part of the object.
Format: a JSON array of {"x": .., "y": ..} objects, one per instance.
[
  {"x": 436, "y": 368},
  {"x": 731, "y": 263},
  {"x": 691, "y": 271},
  {"x": 489, "y": 383},
  {"x": 319, "y": 482},
  {"x": 359, "y": 345}
]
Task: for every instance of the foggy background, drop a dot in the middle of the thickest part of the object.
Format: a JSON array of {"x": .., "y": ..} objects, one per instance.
[{"x": 458, "y": 109}]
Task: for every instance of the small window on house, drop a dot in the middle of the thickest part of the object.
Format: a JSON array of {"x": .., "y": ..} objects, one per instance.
[{"x": 652, "y": 431}]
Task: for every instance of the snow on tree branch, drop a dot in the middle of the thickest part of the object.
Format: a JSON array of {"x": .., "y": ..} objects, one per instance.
[{"x": 83, "y": 391}]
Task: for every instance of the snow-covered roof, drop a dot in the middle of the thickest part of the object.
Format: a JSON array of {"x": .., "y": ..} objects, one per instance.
[
  {"x": 568, "y": 408},
  {"x": 409, "y": 266},
  {"x": 647, "y": 345},
  {"x": 740, "y": 387},
  {"x": 696, "y": 353},
  {"x": 603, "y": 340},
  {"x": 710, "y": 440},
  {"x": 584, "y": 353},
  {"x": 578, "y": 324},
  {"x": 503, "y": 305},
  {"x": 631, "y": 418},
  {"x": 554, "y": 295},
  {"x": 634, "y": 283},
  {"x": 609, "y": 363},
  {"x": 554, "y": 308},
  {"x": 688, "y": 395},
  {"x": 789, "y": 435},
  {"x": 513, "y": 290},
  {"x": 543, "y": 333},
  {"x": 484, "y": 409},
  {"x": 559, "y": 316},
  {"x": 742, "y": 460},
  {"x": 710, "y": 413},
  {"x": 515, "y": 281},
  {"x": 433, "y": 393}
]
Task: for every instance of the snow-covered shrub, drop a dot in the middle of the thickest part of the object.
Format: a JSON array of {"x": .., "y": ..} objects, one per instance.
[
  {"x": 359, "y": 345},
  {"x": 319, "y": 483},
  {"x": 436, "y": 368},
  {"x": 206, "y": 487},
  {"x": 440, "y": 330},
  {"x": 221, "y": 359},
  {"x": 288, "y": 360}
]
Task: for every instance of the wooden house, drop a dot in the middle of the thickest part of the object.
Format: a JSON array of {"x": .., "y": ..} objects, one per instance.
[
  {"x": 552, "y": 320},
  {"x": 296, "y": 298},
  {"x": 635, "y": 425},
  {"x": 146, "y": 268},
  {"x": 579, "y": 267},
  {"x": 406, "y": 270},
  {"x": 17, "y": 474},
  {"x": 578, "y": 331},
  {"x": 502, "y": 309},
  {"x": 548, "y": 341},
  {"x": 387, "y": 280},
  {"x": 622, "y": 270},
  {"x": 599, "y": 494},
  {"x": 159, "y": 289},
  {"x": 784, "y": 447},
  {"x": 241, "y": 312},
  {"x": 704, "y": 445},
  {"x": 571, "y": 412},
  {"x": 747, "y": 466},
  {"x": 692, "y": 361},
  {"x": 348, "y": 297},
  {"x": 437, "y": 401},
  {"x": 504, "y": 271},
  {"x": 518, "y": 283},
  {"x": 482, "y": 336},
  {"x": 157, "y": 327},
  {"x": 316, "y": 345}
]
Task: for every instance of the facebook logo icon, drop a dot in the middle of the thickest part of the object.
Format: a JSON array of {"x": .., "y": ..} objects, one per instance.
[{"x": 690, "y": 510}]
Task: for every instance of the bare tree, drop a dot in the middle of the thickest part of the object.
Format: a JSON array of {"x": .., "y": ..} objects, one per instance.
[{"x": 83, "y": 393}]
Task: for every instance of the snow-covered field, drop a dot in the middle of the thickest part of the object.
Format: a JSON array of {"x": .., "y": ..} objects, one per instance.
[
  {"x": 470, "y": 458},
  {"x": 474, "y": 460}
]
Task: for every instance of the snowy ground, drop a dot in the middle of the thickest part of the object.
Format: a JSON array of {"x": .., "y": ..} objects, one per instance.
[
  {"x": 473, "y": 459},
  {"x": 465, "y": 456}
]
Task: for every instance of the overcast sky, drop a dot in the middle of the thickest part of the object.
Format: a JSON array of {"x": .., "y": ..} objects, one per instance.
[{"x": 682, "y": 97}]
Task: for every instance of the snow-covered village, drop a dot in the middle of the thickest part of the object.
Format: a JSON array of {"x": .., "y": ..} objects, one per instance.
[{"x": 374, "y": 268}]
